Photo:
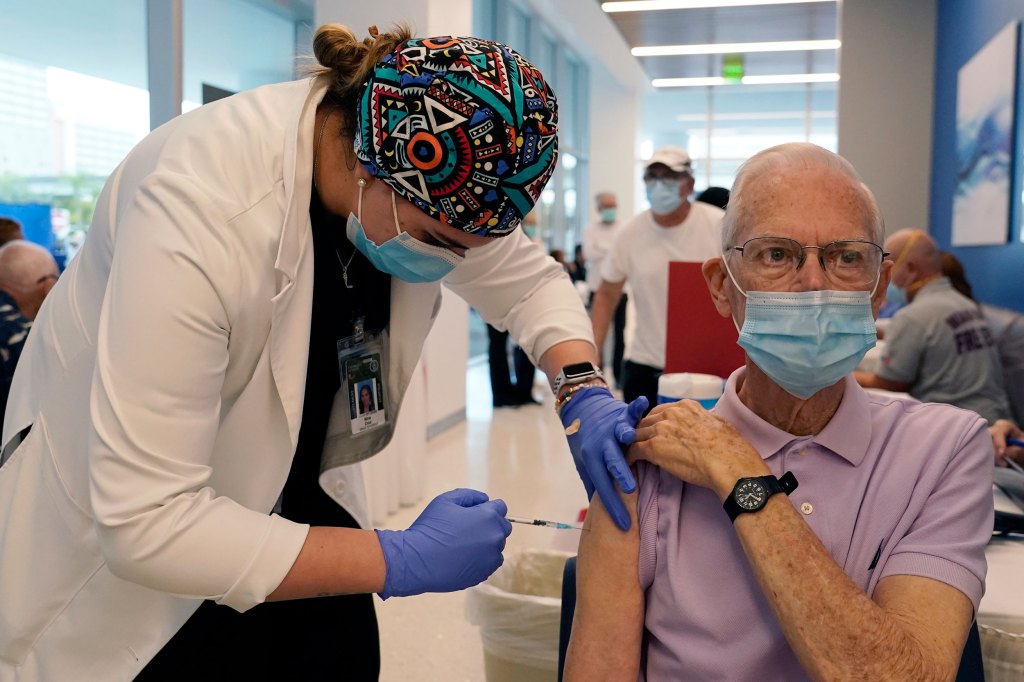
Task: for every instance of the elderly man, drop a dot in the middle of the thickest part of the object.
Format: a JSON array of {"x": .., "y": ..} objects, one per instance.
[
  {"x": 939, "y": 347},
  {"x": 27, "y": 273},
  {"x": 871, "y": 562},
  {"x": 674, "y": 229}
]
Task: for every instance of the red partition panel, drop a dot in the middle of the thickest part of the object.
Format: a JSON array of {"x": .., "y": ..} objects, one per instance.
[{"x": 699, "y": 338}]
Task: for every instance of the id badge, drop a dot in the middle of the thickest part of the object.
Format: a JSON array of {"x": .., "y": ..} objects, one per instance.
[{"x": 360, "y": 361}]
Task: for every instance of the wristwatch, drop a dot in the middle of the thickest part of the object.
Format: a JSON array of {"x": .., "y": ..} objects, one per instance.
[
  {"x": 577, "y": 373},
  {"x": 751, "y": 494}
]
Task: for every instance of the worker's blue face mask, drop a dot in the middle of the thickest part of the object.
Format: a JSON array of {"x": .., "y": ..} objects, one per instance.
[
  {"x": 806, "y": 340},
  {"x": 663, "y": 194},
  {"x": 403, "y": 256},
  {"x": 895, "y": 295}
]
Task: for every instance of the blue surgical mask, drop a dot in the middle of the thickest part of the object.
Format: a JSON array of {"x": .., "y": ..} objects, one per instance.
[
  {"x": 403, "y": 256},
  {"x": 608, "y": 215},
  {"x": 664, "y": 195},
  {"x": 895, "y": 295},
  {"x": 806, "y": 340}
]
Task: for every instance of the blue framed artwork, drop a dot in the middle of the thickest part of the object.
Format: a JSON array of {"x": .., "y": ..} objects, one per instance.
[{"x": 985, "y": 122}]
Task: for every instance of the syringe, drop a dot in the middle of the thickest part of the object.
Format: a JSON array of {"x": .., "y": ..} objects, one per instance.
[{"x": 542, "y": 522}]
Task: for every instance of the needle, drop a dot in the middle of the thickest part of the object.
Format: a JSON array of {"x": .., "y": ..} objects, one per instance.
[{"x": 542, "y": 522}]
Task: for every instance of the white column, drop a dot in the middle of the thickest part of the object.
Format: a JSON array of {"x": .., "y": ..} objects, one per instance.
[
  {"x": 886, "y": 102},
  {"x": 164, "y": 48}
]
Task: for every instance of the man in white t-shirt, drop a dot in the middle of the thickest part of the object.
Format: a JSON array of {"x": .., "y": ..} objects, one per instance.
[
  {"x": 674, "y": 229},
  {"x": 597, "y": 240}
]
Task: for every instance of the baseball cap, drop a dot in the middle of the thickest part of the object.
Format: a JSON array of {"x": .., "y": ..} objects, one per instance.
[{"x": 675, "y": 158}]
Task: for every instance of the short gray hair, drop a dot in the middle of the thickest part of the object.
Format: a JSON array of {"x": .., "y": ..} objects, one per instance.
[{"x": 794, "y": 155}]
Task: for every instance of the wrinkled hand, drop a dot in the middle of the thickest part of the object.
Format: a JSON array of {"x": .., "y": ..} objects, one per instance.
[
  {"x": 597, "y": 426},
  {"x": 692, "y": 444},
  {"x": 1001, "y": 430},
  {"x": 455, "y": 543}
]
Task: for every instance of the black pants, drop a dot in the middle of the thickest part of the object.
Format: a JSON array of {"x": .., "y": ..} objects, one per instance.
[
  {"x": 618, "y": 338},
  {"x": 638, "y": 380},
  {"x": 504, "y": 391},
  {"x": 619, "y": 341},
  {"x": 326, "y": 638}
]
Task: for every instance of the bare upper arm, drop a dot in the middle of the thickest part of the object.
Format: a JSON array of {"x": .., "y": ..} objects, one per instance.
[
  {"x": 611, "y": 290},
  {"x": 608, "y": 620},
  {"x": 936, "y": 615}
]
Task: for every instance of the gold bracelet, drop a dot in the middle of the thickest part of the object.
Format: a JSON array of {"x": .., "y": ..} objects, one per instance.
[{"x": 565, "y": 397}]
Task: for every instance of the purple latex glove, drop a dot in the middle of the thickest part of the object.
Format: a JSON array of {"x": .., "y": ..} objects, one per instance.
[
  {"x": 606, "y": 425},
  {"x": 455, "y": 543}
]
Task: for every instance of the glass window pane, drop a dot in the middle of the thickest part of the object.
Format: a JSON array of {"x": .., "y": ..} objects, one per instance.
[
  {"x": 71, "y": 106},
  {"x": 234, "y": 45}
]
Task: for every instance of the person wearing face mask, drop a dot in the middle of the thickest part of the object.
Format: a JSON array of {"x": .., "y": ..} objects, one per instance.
[
  {"x": 673, "y": 229},
  {"x": 597, "y": 241},
  {"x": 180, "y": 473},
  {"x": 808, "y": 528},
  {"x": 938, "y": 346}
]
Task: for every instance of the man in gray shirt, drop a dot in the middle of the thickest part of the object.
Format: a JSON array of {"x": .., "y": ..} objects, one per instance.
[{"x": 939, "y": 347}]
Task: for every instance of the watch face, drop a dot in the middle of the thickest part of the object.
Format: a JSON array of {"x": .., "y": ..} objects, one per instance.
[
  {"x": 577, "y": 370},
  {"x": 750, "y": 494}
]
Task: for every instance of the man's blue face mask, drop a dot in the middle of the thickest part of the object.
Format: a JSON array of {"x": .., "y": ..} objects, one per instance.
[
  {"x": 403, "y": 256},
  {"x": 663, "y": 194},
  {"x": 806, "y": 341}
]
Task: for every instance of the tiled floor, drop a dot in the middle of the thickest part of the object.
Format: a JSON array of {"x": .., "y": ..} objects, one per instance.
[{"x": 519, "y": 455}]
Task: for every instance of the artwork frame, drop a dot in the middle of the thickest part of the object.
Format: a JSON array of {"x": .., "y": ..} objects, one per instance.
[{"x": 986, "y": 122}]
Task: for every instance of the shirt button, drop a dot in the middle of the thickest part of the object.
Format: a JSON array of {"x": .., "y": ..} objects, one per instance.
[
  {"x": 340, "y": 488},
  {"x": 806, "y": 508}
]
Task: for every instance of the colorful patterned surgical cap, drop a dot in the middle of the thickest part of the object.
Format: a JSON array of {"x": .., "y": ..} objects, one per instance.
[{"x": 464, "y": 128}]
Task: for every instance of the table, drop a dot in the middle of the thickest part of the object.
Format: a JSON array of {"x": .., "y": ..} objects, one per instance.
[{"x": 1001, "y": 613}]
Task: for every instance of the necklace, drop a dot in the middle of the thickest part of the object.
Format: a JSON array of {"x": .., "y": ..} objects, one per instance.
[{"x": 344, "y": 266}]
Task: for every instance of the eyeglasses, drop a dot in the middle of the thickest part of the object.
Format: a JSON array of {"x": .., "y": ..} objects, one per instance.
[{"x": 851, "y": 262}]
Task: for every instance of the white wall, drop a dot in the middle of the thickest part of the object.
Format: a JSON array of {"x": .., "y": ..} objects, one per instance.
[{"x": 886, "y": 68}]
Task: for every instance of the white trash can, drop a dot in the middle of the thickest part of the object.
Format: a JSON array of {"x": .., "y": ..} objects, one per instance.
[
  {"x": 519, "y": 611},
  {"x": 706, "y": 389}
]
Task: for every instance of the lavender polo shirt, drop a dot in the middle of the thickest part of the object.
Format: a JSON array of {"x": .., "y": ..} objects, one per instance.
[{"x": 891, "y": 486}]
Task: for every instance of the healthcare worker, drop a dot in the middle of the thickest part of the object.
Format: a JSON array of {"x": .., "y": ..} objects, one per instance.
[{"x": 178, "y": 495}]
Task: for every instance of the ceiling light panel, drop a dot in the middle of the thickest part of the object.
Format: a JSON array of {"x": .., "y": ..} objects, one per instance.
[
  {"x": 775, "y": 79},
  {"x": 654, "y": 5},
  {"x": 735, "y": 48}
]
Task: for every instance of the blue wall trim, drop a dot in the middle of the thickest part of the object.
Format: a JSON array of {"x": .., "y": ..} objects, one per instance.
[{"x": 963, "y": 27}]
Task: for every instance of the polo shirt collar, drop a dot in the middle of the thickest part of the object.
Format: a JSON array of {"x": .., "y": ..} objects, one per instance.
[{"x": 848, "y": 433}]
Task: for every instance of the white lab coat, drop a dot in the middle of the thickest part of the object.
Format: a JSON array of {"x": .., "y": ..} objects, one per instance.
[{"x": 164, "y": 381}]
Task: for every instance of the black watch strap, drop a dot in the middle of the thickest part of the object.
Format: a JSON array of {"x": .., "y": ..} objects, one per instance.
[{"x": 752, "y": 494}]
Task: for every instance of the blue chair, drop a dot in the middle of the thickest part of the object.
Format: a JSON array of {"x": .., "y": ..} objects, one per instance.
[
  {"x": 568, "y": 607},
  {"x": 971, "y": 668}
]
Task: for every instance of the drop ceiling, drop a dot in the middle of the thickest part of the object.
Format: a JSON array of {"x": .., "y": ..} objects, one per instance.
[{"x": 782, "y": 22}]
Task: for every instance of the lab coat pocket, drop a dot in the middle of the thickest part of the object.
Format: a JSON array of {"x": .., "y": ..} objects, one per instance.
[{"x": 48, "y": 546}]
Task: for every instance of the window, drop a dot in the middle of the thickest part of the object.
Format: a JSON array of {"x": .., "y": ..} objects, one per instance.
[
  {"x": 73, "y": 102},
  {"x": 560, "y": 213},
  {"x": 723, "y": 126}
]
